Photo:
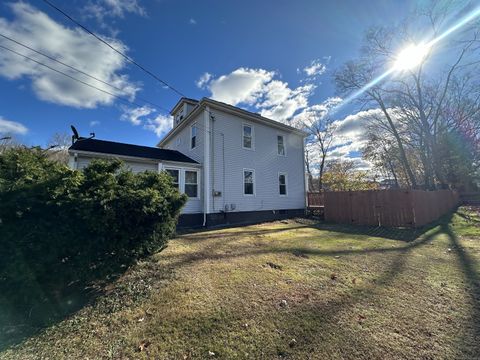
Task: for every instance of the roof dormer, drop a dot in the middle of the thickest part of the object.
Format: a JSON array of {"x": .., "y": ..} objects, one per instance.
[{"x": 181, "y": 110}]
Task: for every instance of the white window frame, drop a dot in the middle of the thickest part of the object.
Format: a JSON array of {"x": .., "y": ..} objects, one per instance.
[
  {"x": 181, "y": 179},
  {"x": 194, "y": 125},
  {"x": 179, "y": 175},
  {"x": 254, "y": 181},
  {"x": 284, "y": 145},
  {"x": 198, "y": 183},
  {"x": 286, "y": 184},
  {"x": 252, "y": 137}
]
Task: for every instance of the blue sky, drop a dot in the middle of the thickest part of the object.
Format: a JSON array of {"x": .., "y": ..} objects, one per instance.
[{"x": 273, "y": 57}]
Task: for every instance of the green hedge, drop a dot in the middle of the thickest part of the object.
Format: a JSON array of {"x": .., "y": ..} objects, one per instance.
[{"x": 61, "y": 229}]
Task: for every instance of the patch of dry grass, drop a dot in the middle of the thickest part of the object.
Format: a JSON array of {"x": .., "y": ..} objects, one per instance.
[{"x": 291, "y": 289}]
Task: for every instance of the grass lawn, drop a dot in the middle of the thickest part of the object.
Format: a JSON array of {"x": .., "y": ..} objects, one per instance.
[{"x": 292, "y": 289}]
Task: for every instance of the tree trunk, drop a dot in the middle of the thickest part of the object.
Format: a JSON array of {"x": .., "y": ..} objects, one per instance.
[{"x": 403, "y": 156}]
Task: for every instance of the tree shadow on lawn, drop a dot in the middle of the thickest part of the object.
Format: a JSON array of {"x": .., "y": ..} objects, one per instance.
[
  {"x": 51, "y": 300},
  {"x": 402, "y": 234},
  {"x": 472, "y": 279},
  {"x": 321, "y": 325}
]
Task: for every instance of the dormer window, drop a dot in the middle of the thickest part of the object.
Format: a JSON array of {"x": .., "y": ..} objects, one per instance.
[{"x": 178, "y": 118}]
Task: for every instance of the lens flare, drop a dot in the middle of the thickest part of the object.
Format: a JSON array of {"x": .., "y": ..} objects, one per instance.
[{"x": 410, "y": 57}]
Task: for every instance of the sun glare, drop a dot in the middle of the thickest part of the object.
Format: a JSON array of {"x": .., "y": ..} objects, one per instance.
[{"x": 410, "y": 57}]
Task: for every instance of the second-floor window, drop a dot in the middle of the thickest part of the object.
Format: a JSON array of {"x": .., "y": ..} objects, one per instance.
[
  {"x": 193, "y": 136},
  {"x": 281, "y": 145},
  {"x": 247, "y": 136}
]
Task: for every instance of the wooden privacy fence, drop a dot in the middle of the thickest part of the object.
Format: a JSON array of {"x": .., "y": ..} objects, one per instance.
[
  {"x": 395, "y": 208},
  {"x": 315, "y": 199}
]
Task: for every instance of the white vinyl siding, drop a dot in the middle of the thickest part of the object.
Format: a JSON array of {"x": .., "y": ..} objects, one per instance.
[
  {"x": 134, "y": 166},
  {"x": 229, "y": 159}
]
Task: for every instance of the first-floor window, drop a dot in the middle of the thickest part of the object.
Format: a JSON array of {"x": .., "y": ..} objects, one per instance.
[
  {"x": 282, "y": 184},
  {"x": 175, "y": 174},
  {"x": 191, "y": 183},
  {"x": 248, "y": 182}
]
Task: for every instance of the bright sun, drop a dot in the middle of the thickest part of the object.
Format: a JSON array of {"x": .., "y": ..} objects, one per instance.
[{"x": 410, "y": 57}]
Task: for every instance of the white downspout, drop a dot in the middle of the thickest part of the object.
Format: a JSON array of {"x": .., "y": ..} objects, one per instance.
[{"x": 206, "y": 165}]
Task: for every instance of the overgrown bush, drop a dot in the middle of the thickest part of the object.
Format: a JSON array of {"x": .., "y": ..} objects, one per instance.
[{"x": 61, "y": 229}]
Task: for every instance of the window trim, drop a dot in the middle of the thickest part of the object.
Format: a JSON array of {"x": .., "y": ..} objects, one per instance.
[
  {"x": 253, "y": 182},
  {"x": 284, "y": 145},
  {"x": 181, "y": 179},
  {"x": 286, "y": 183},
  {"x": 252, "y": 148},
  {"x": 194, "y": 125},
  {"x": 198, "y": 183}
]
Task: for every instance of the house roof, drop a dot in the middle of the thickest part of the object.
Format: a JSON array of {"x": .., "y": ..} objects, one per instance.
[
  {"x": 181, "y": 101},
  {"x": 229, "y": 109},
  {"x": 122, "y": 149}
]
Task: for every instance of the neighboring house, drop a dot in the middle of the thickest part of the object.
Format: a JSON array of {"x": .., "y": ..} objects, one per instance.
[{"x": 235, "y": 166}]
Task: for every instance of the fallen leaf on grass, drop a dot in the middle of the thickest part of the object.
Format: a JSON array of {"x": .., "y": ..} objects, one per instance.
[{"x": 143, "y": 345}]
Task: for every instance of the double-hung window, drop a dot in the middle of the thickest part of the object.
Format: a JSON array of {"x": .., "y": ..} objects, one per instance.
[
  {"x": 175, "y": 174},
  {"x": 193, "y": 136},
  {"x": 282, "y": 184},
  {"x": 248, "y": 182},
  {"x": 281, "y": 145},
  {"x": 247, "y": 136},
  {"x": 191, "y": 183}
]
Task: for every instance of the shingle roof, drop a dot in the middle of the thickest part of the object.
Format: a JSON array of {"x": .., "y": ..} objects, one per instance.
[{"x": 116, "y": 148}]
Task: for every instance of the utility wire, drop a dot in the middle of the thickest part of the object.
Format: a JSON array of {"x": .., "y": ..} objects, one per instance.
[
  {"x": 73, "y": 78},
  {"x": 78, "y": 70},
  {"x": 113, "y": 48}
]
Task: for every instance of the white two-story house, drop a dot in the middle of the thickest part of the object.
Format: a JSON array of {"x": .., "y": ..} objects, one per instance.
[{"x": 235, "y": 166}]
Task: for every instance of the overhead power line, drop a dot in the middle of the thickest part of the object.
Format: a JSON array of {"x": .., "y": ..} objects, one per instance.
[
  {"x": 72, "y": 77},
  {"x": 84, "y": 28},
  {"x": 78, "y": 70}
]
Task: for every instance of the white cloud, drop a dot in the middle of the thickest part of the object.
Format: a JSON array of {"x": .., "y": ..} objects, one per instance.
[
  {"x": 243, "y": 85},
  {"x": 100, "y": 9},
  {"x": 192, "y": 21},
  {"x": 94, "y": 123},
  {"x": 257, "y": 89},
  {"x": 160, "y": 125},
  {"x": 11, "y": 127},
  {"x": 72, "y": 46},
  {"x": 135, "y": 115},
  {"x": 203, "y": 81},
  {"x": 315, "y": 68}
]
